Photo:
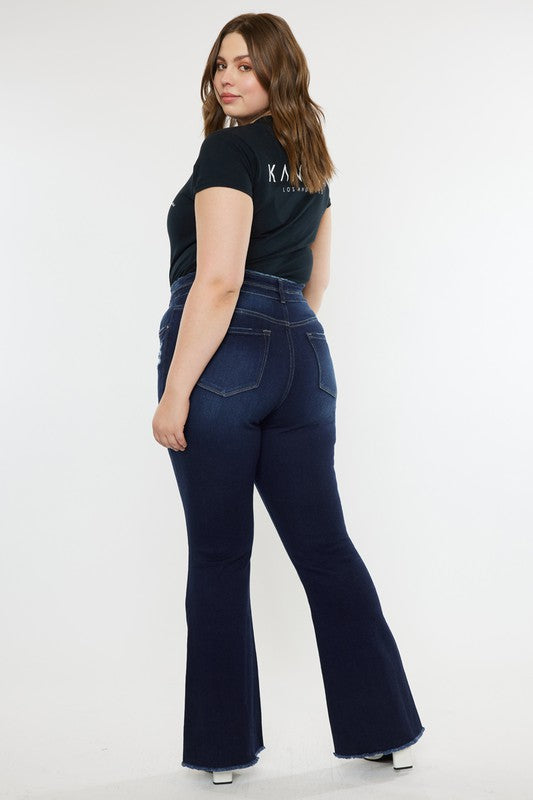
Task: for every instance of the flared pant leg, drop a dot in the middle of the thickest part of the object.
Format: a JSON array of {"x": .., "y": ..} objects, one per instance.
[
  {"x": 222, "y": 713},
  {"x": 369, "y": 701}
]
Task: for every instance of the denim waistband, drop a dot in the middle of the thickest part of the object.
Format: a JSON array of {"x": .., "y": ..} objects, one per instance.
[{"x": 283, "y": 289}]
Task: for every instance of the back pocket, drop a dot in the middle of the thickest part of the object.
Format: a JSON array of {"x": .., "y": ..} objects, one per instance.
[
  {"x": 326, "y": 371},
  {"x": 238, "y": 363}
]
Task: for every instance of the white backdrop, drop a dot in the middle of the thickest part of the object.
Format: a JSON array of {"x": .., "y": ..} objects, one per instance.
[{"x": 428, "y": 315}]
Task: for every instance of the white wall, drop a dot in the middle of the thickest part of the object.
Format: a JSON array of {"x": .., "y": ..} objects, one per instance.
[{"x": 428, "y": 314}]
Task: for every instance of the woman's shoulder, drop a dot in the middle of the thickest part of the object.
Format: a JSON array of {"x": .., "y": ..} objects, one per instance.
[
  {"x": 229, "y": 144},
  {"x": 226, "y": 158}
]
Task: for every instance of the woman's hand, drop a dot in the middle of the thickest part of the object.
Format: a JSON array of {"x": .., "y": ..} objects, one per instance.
[{"x": 169, "y": 420}]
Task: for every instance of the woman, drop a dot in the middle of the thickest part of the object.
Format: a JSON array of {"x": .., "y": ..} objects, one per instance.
[{"x": 247, "y": 396}]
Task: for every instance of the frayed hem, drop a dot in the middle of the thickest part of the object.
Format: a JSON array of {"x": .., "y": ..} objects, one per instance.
[
  {"x": 227, "y": 769},
  {"x": 384, "y": 752}
]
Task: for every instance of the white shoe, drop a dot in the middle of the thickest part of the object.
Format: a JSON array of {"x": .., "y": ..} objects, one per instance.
[
  {"x": 401, "y": 759},
  {"x": 222, "y": 777}
]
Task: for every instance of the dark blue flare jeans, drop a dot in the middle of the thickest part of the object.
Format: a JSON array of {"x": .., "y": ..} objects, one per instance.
[{"x": 263, "y": 413}]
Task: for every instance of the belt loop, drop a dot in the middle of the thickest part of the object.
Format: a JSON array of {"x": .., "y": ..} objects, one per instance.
[{"x": 281, "y": 291}]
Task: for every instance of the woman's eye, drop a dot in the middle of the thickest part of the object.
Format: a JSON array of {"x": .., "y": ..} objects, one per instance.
[{"x": 246, "y": 66}]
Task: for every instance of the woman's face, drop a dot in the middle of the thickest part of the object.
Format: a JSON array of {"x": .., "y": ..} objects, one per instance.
[{"x": 234, "y": 75}]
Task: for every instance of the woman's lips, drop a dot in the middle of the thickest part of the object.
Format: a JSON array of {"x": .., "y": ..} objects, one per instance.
[{"x": 227, "y": 98}]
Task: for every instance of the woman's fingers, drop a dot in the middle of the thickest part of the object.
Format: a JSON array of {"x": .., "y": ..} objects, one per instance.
[
  {"x": 177, "y": 443},
  {"x": 169, "y": 421}
]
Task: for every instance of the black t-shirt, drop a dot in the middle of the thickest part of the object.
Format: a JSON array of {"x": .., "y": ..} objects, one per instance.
[{"x": 285, "y": 218}]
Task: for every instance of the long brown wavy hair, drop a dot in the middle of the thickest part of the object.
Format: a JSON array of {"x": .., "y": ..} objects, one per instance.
[{"x": 281, "y": 68}]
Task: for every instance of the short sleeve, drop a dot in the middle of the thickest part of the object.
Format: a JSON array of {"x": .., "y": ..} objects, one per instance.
[{"x": 224, "y": 160}]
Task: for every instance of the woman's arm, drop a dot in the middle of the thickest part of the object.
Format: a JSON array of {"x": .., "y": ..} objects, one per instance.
[
  {"x": 317, "y": 284},
  {"x": 223, "y": 226}
]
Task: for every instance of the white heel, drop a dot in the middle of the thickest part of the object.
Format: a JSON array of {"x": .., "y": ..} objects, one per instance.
[
  {"x": 403, "y": 759},
  {"x": 222, "y": 777}
]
